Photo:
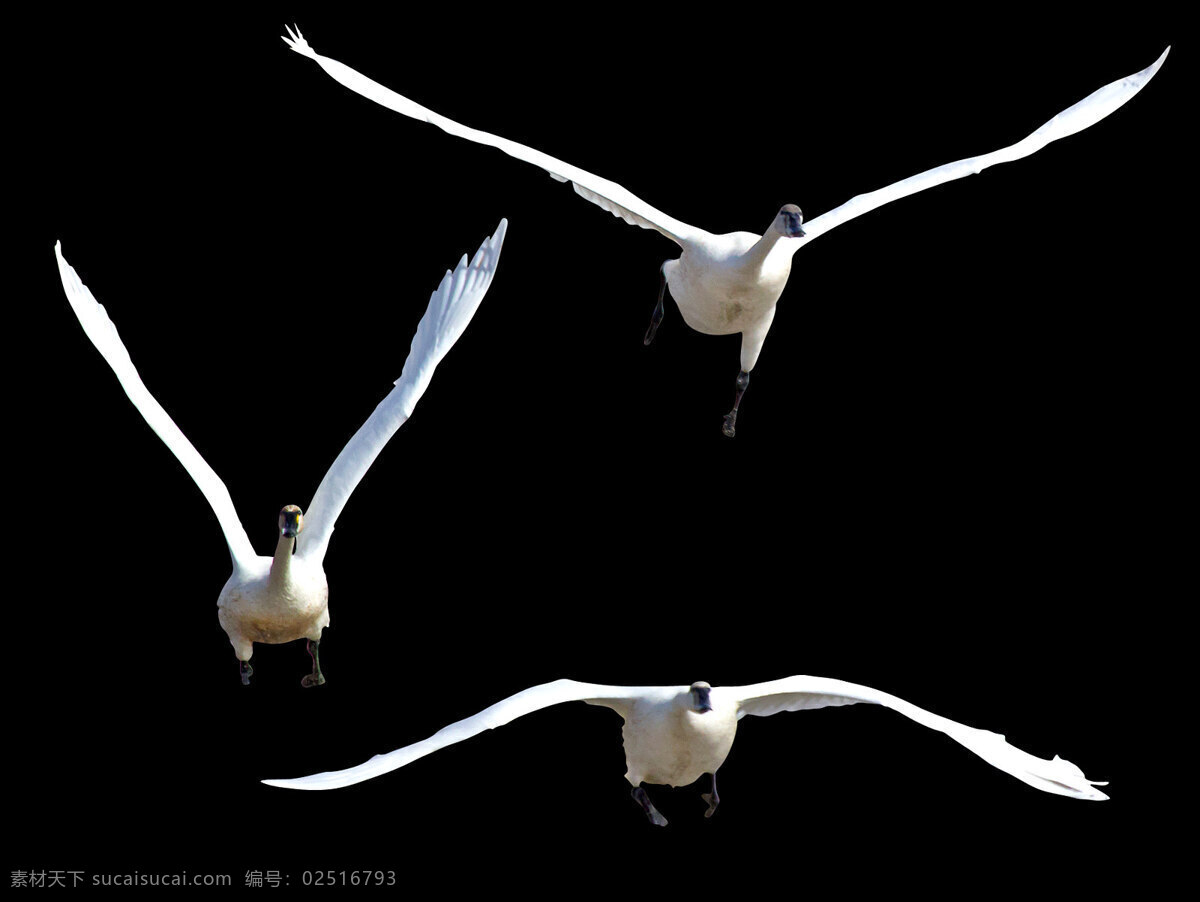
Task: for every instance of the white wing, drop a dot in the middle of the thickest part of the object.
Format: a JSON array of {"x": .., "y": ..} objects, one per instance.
[
  {"x": 801, "y": 692},
  {"x": 1086, "y": 112},
  {"x": 103, "y": 335},
  {"x": 527, "y": 701},
  {"x": 606, "y": 194},
  {"x": 450, "y": 310}
]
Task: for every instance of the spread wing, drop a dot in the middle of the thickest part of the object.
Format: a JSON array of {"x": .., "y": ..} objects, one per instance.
[
  {"x": 1086, "y": 112},
  {"x": 619, "y": 698},
  {"x": 450, "y": 309},
  {"x": 799, "y": 693},
  {"x": 602, "y": 192},
  {"x": 103, "y": 334}
]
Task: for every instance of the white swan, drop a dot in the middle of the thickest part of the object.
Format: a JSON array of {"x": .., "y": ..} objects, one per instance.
[
  {"x": 285, "y": 597},
  {"x": 724, "y": 284},
  {"x": 675, "y": 734}
]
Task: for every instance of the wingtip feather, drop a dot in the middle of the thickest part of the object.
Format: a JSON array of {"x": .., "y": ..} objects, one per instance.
[
  {"x": 1062, "y": 777},
  {"x": 289, "y": 784},
  {"x": 316, "y": 781},
  {"x": 454, "y": 302},
  {"x": 498, "y": 235},
  {"x": 296, "y": 41},
  {"x": 1149, "y": 72}
]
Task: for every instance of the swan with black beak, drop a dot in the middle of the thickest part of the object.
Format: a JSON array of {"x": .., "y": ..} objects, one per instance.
[
  {"x": 285, "y": 597},
  {"x": 674, "y": 735},
  {"x": 729, "y": 284}
]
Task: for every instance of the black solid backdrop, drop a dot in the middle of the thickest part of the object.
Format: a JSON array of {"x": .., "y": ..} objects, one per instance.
[{"x": 944, "y": 483}]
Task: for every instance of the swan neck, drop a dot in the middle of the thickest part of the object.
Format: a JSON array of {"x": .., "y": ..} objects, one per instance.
[
  {"x": 765, "y": 244},
  {"x": 281, "y": 563},
  {"x": 762, "y": 249}
]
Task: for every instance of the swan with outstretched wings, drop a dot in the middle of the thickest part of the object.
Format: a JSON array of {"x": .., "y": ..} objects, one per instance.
[
  {"x": 286, "y": 597},
  {"x": 676, "y": 734},
  {"x": 729, "y": 284}
]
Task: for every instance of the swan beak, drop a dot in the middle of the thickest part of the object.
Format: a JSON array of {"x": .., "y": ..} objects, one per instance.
[
  {"x": 290, "y": 521},
  {"x": 793, "y": 223},
  {"x": 701, "y": 700}
]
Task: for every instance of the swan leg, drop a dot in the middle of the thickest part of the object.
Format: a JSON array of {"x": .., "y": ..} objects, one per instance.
[
  {"x": 639, "y": 796},
  {"x": 743, "y": 380},
  {"x": 657, "y": 316},
  {"x": 316, "y": 678},
  {"x": 711, "y": 797},
  {"x": 246, "y": 671}
]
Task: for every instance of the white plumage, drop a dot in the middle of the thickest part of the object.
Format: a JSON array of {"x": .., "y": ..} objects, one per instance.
[
  {"x": 668, "y": 740},
  {"x": 285, "y": 597},
  {"x": 727, "y": 284}
]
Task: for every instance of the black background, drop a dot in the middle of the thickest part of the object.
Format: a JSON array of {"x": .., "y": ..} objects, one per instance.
[{"x": 947, "y": 481}]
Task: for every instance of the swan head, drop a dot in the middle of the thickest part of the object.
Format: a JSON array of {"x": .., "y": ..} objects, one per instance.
[
  {"x": 699, "y": 697},
  {"x": 291, "y": 521},
  {"x": 788, "y": 222}
]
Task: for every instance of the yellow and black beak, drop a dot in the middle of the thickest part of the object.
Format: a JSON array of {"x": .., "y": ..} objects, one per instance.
[{"x": 291, "y": 521}]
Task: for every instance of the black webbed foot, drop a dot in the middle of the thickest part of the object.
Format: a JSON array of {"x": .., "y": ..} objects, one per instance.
[
  {"x": 711, "y": 797},
  {"x": 639, "y": 796},
  {"x": 654, "y": 321},
  {"x": 246, "y": 671},
  {"x": 316, "y": 678},
  {"x": 743, "y": 382},
  {"x": 657, "y": 317}
]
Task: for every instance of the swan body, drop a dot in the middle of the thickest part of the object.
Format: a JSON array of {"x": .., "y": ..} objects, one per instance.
[
  {"x": 285, "y": 597},
  {"x": 730, "y": 283},
  {"x": 276, "y": 600},
  {"x": 668, "y": 743},
  {"x": 673, "y": 735}
]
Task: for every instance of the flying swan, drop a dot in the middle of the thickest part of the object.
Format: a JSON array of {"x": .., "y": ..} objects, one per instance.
[
  {"x": 674, "y": 734},
  {"x": 725, "y": 284},
  {"x": 285, "y": 597}
]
